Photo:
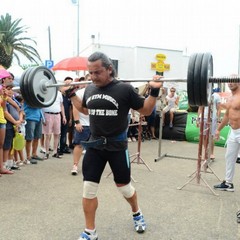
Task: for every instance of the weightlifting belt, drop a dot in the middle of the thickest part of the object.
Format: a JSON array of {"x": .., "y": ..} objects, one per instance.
[{"x": 97, "y": 141}]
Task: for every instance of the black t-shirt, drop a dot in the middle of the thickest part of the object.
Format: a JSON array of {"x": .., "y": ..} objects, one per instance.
[{"x": 108, "y": 107}]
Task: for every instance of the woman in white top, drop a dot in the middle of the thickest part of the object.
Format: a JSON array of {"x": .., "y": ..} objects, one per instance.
[{"x": 172, "y": 103}]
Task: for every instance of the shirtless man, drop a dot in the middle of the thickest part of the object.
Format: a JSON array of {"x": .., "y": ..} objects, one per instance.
[{"x": 231, "y": 116}]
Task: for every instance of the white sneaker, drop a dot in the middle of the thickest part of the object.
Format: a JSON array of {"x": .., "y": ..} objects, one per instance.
[
  {"x": 10, "y": 163},
  {"x": 88, "y": 236},
  {"x": 74, "y": 170},
  {"x": 42, "y": 150},
  {"x": 6, "y": 166},
  {"x": 15, "y": 166},
  {"x": 27, "y": 162},
  {"x": 139, "y": 223},
  {"x": 46, "y": 156},
  {"x": 20, "y": 163}
]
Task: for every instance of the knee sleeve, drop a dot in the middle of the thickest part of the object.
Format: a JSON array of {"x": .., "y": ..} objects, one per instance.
[
  {"x": 127, "y": 190},
  {"x": 90, "y": 189}
]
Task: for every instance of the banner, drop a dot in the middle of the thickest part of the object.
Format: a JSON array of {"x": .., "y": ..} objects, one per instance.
[
  {"x": 183, "y": 100},
  {"x": 192, "y": 131}
]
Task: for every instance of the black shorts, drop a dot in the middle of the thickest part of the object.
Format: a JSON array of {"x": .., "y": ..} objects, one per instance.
[{"x": 94, "y": 162}]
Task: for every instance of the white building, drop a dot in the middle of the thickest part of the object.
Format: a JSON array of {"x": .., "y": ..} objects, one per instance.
[{"x": 138, "y": 62}]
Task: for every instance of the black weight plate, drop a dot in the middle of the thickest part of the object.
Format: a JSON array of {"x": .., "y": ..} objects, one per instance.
[
  {"x": 197, "y": 79},
  {"x": 28, "y": 90},
  {"x": 190, "y": 79},
  {"x": 42, "y": 96},
  {"x": 24, "y": 86},
  {"x": 31, "y": 97},
  {"x": 206, "y": 72}
]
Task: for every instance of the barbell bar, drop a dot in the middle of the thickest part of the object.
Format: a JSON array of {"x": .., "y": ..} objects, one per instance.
[{"x": 39, "y": 86}]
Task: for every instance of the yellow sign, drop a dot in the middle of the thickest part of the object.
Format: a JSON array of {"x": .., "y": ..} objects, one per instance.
[
  {"x": 153, "y": 66},
  {"x": 161, "y": 57},
  {"x": 167, "y": 67},
  {"x": 160, "y": 66}
]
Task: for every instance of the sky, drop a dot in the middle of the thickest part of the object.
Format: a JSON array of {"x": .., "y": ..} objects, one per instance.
[{"x": 188, "y": 25}]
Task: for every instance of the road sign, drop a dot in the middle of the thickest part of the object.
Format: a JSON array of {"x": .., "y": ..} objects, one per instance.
[
  {"x": 49, "y": 63},
  {"x": 160, "y": 66},
  {"x": 161, "y": 57},
  {"x": 166, "y": 67},
  {"x": 153, "y": 65}
]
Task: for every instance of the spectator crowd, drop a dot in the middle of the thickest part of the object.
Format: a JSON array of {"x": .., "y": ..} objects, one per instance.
[{"x": 29, "y": 135}]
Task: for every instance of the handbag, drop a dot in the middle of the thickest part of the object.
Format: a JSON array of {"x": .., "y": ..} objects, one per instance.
[{"x": 18, "y": 141}]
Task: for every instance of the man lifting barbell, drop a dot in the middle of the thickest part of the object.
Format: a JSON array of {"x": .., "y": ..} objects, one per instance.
[{"x": 107, "y": 101}]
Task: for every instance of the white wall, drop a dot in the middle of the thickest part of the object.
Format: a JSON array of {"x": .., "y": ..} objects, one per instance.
[{"x": 135, "y": 62}]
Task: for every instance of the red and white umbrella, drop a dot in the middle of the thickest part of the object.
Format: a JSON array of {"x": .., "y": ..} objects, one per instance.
[{"x": 72, "y": 64}]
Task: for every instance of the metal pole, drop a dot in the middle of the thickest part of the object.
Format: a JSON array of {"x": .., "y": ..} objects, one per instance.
[
  {"x": 49, "y": 43},
  {"x": 76, "y": 2},
  {"x": 78, "y": 38},
  {"x": 239, "y": 50}
]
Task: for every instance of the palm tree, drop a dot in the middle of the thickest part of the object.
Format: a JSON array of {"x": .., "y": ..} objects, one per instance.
[{"x": 12, "y": 42}]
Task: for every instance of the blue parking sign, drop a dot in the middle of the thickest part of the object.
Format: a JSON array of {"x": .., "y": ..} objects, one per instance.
[{"x": 49, "y": 63}]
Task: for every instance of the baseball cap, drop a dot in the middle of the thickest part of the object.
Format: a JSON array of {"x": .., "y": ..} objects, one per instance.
[{"x": 4, "y": 74}]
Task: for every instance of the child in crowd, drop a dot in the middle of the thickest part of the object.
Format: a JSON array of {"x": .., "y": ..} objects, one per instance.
[
  {"x": 3, "y": 99},
  {"x": 18, "y": 154}
]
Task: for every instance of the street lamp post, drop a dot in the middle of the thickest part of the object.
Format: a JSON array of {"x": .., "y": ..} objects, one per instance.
[
  {"x": 76, "y": 2},
  {"x": 49, "y": 43},
  {"x": 78, "y": 38},
  {"x": 239, "y": 50}
]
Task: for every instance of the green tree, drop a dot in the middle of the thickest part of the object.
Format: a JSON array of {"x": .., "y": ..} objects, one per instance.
[{"x": 12, "y": 42}]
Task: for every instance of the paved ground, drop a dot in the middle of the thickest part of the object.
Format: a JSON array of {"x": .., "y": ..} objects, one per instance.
[{"x": 43, "y": 201}]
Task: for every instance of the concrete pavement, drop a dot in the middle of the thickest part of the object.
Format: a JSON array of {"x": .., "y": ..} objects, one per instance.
[{"x": 43, "y": 201}]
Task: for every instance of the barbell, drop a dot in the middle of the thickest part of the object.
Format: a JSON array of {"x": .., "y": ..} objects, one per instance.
[{"x": 39, "y": 86}]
